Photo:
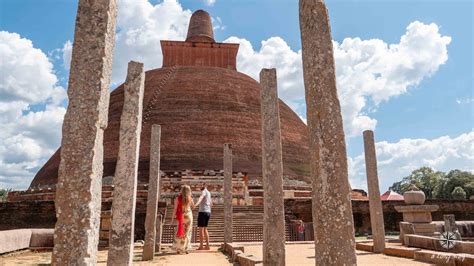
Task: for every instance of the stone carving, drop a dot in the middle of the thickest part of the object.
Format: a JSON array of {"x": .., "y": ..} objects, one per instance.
[
  {"x": 125, "y": 179},
  {"x": 375, "y": 203},
  {"x": 274, "y": 209},
  {"x": 332, "y": 212},
  {"x": 414, "y": 196},
  {"x": 153, "y": 195},
  {"x": 227, "y": 193},
  {"x": 417, "y": 217},
  {"x": 78, "y": 195}
]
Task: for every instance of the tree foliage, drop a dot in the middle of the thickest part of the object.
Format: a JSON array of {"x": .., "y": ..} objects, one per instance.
[
  {"x": 3, "y": 194},
  {"x": 458, "y": 193},
  {"x": 437, "y": 184}
]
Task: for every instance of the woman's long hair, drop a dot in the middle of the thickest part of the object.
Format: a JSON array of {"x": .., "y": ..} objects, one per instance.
[{"x": 186, "y": 196}]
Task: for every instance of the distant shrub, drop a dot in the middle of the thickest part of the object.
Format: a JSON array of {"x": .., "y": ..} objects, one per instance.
[
  {"x": 458, "y": 193},
  {"x": 4, "y": 194}
]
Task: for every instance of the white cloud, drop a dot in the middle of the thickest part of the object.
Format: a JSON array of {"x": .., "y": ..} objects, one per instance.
[
  {"x": 210, "y": 2},
  {"x": 27, "y": 74},
  {"x": 371, "y": 70},
  {"x": 461, "y": 101},
  {"x": 217, "y": 24},
  {"x": 30, "y": 137},
  {"x": 30, "y": 110},
  {"x": 368, "y": 71},
  {"x": 274, "y": 53},
  {"x": 140, "y": 27},
  {"x": 67, "y": 54},
  {"x": 396, "y": 160}
]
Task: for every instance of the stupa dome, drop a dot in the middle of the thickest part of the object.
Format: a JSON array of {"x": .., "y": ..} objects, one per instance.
[{"x": 201, "y": 102}]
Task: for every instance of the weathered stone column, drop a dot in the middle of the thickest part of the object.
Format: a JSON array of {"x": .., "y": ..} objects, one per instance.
[
  {"x": 332, "y": 211},
  {"x": 375, "y": 203},
  {"x": 450, "y": 226},
  {"x": 274, "y": 210},
  {"x": 153, "y": 194},
  {"x": 449, "y": 223},
  {"x": 159, "y": 230},
  {"x": 227, "y": 193},
  {"x": 125, "y": 179},
  {"x": 78, "y": 194}
]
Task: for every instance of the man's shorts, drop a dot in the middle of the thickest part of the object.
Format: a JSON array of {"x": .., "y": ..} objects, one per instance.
[{"x": 203, "y": 219}]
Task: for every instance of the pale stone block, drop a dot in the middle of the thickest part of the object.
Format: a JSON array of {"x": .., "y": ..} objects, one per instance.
[
  {"x": 417, "y": 217},
  {"x": 289, "y": 194}
]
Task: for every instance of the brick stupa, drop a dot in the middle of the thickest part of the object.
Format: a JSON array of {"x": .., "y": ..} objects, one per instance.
[{"x": 201, "y": 102}]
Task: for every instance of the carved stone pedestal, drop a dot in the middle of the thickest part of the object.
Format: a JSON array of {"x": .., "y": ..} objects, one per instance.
[{"x": 417, "y": 219}]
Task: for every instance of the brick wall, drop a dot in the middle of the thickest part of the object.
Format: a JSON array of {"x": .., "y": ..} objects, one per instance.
[
  {"x": 41, "y": 214},
  {"x": 462, "y": 209}
]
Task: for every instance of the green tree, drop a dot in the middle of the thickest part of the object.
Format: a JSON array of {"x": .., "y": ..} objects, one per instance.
[
  {"x": 437, "y": 184},
  {"x": 3, "y": 194},
  {"x": 458, "y": 178},
  {"x": 458, "y": 193},
  {"x": 425, "y": 178}
]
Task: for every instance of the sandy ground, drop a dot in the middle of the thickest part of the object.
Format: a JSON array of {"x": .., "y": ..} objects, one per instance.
[
  {"x": 303, "y": 254},
  {"x": 296, "y": 254},
  {"x": 212, "y": 257}
]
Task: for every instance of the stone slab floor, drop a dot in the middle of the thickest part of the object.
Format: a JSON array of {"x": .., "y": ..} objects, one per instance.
[
  {"x": 297, "y": 254},
  {"x": 303, "y": 254}
]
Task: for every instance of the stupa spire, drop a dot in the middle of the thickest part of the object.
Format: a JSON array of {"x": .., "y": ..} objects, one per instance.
[{"x": 200, "y": 28}]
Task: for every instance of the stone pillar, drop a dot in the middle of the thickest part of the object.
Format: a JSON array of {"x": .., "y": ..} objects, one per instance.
[
  {"x": 449, "y": 223},
  {"x": 450, "y": 226},
  {"x": 375, "y": 203},
  {"x": 159, "y": 230},
  {"x": 125, "y": 179},
  {"x": 153, "y": 194},
  {"x": 227, "y": 193},
  {"x": 332, "y": 211},
  {"x": 78, "y": 194},
  {"x": 272, "y": 165}
]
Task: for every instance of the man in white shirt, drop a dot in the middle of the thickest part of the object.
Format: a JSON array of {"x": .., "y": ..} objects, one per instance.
[{"x": 205, "y": 203}]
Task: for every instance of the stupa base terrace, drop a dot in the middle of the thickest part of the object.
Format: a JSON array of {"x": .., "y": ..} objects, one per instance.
[{"x": 34, "y": 208}]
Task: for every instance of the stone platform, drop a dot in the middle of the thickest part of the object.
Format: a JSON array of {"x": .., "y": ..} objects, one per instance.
[
  {"x": 421, "y": 254},
  {"x": 297, "y": 254},
  {"x": 302, "y": 253}
]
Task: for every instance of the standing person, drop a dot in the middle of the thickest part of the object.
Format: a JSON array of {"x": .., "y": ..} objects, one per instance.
[
  {"x": 205, "y": 203},
  {"x": 184, "y": 216},
  {"x": 301, "y": 230}
]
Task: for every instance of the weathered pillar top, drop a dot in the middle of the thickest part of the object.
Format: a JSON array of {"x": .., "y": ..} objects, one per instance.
[
  {"x": 134, "y": 69},
  {"x": 267, "y": 70},
  {"x": 368, "y": 132}
]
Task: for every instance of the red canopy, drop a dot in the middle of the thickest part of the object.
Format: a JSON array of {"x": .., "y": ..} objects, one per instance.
[{"x": 391, "y": 195}]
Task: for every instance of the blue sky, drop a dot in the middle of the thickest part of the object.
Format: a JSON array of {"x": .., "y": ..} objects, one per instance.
[{"x": 433, "y": 112}]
